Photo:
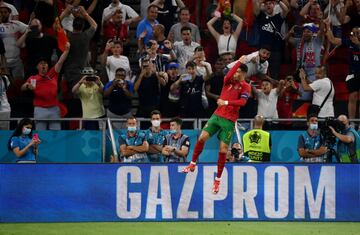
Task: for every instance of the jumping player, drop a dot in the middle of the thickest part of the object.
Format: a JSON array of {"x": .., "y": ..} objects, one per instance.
[{"x": 234, "y": 94}]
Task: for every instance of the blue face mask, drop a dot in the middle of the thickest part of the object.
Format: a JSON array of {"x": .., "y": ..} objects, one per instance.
[
  {"x": 173, "y": 131},
  {"x": 314, "y": 126},
  {"x": 26, "y": 131},
  {"x": 131, "y": 128}
]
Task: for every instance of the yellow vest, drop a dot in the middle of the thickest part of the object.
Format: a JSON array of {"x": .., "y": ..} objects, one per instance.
[{"x": 257, "y": 145}]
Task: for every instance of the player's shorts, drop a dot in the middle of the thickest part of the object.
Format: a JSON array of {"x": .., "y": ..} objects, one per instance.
[
  {"x": 226, "y": 127},
  {"x": 353, "y": 82}
]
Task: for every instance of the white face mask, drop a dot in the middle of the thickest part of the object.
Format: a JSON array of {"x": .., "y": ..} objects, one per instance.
[
  {"x": 314, "y": 126},
  {"x": 26, "y": 131},
  {"x": 156, "y": 123}
]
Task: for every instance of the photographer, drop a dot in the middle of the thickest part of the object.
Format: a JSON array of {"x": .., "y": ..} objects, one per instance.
[
  {"x": 348, "y": 146},
  {"x": 311, "y": 146},
  {"x": 235, "y": 154},
  {"x": 120, "y": 93},
  {"x": 90, "y": 91}
]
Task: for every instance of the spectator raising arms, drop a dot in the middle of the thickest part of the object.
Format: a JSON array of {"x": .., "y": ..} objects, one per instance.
[
  {"x": 227, "y": 41},
  {"x": 44, "y": 85}
]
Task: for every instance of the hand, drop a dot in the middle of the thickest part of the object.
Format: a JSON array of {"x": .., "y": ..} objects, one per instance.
[
  {"x": 98, "y": 80},
  {"x": 109, "y": 45},
  {"x": 220, "y": 102},
  {"x": 302, "y": 74},
  {"x": 168, "y": 44},
  {"x": 29, "y": 86},
  {"x": 143, "y": 34},
  {"x": 242, "y": 59},
  {"x": 82, "y": 11},
  {"x": 281, "y": 83},
  {"x": 332, "y": 130}
]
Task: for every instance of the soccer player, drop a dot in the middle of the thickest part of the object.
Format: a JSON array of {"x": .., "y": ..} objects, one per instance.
[{"x": 234, "y": 94}]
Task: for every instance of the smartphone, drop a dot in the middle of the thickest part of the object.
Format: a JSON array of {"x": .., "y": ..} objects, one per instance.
[
  {"x": 186, "y": 77},
  {"x": 36, "y": 136}
]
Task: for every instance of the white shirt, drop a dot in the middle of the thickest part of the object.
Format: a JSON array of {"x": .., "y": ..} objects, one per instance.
[
  {"x": 9, "y": 34},
  {"x": 226, "y": 45},
  {"x": 253, "y": 68},
  {"x": 321, "y": 88},
  {"x": 201, "y": 70},
  {"x": 67, "y": 22},
  {"x": 4, "y": 104},
  {"x": 184, "y": 53},
  {"x": 333, "y": 18},
  {"x": 113, "y": 63},
  {"x": 267, "y": 103},
  {"x": 127, "y": 11}
]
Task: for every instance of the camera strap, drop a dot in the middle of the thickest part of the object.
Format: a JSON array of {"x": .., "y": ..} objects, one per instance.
[{"x": 327, "y": 96}]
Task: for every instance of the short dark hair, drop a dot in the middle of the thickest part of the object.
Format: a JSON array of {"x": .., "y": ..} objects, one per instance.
[
  {"x": 120, "y": 70},
  {"x": 177, "y": 120},
  {"x": 184, "y": 9},
  {"x": 185, "y": 28},
  {"x": 244, "y": 68},
  {"x": 131, "y": 117},
  {"x": 155, "y": 112},
  {"x": 311, "y": 115},
  {"x": 190, "y": 64},
  {"x": 266, "y": 47},
  {"x": 151, "y": 6}
]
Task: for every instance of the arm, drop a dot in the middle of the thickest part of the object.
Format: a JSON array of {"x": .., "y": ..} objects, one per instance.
[
  {"x": 100, "y": 85},
  {"x": 125, "y": 151},
  {"x": 209, "y": 94},
  {"x": 304, "y": 82},
  {"x": 239, "y": 26},
  {"x": 182, "y": 152},
  {"x": 22, "y": 152},
  {"x": 343, "y": 138},
  {"x": 162, "y": 78},
  {"x": 180, "y": 3},
  {"x": 62, "y": 58},
  {"x": 330, "y": 36},
  {"x": 256, "y": 7},
  {"x": 284, "y": 8},
  {"x": 154, "y": 148},
  {"x": 231, "y": 72},
  {"x": 245, "y": 94},
  {"x": 66, "y": 12},
  {"x": 21, "y": 41},
  {"x": 105, "y": 54},
  {"x": 212, "y": 30},
  {"x": 139, "y": 80},
  {"x": 176, "y": 84},
  {"x": 281, "y": 87},
  {"x": 76, "y": 87},
  {"x": 92, "y": 6},
  {"x": 88, "y": 18},
  {"x": 290, "y": 36},
  {"x": 304, "y": 11},
  {"x": 139, "y": 149}
]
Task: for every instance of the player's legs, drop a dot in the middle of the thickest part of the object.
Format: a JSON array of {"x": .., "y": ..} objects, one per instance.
[
  {"x": 225, "y": 135},
  {"x": 211, "y": 127}
]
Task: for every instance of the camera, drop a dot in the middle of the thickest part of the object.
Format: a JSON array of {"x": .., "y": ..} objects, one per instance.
[
  {"x": 326, "y": 133},
  {"x": 91, "y": 78}
]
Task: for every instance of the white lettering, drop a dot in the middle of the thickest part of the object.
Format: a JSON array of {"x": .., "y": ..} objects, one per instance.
[
  {"x": 185, "y": 197},
  {"x": 159, "y": 174},
  {"x": 209, "y": 197},
  {"x": 326, "y": 185},
  {"x": 122, "y": 194},
  {"x": 276, "y": 175},
  {"x": 244, "y": 195}
]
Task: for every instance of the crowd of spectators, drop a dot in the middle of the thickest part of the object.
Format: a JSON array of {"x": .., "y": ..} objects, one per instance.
[{"x": 180, "y": 67}]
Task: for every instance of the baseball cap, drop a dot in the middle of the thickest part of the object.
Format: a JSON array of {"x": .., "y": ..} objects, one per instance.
[
  {"x": 311, "y": 26},
  {"x": 172, "y": 65},
  {"x": 88, "y": 71}
]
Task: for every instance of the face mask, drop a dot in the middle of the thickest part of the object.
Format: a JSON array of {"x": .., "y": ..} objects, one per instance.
[
  {"x": 173, "y": 131},
  {"x": 131, "y": 128},
  {"x": 34, "y": 31},
  {"x": 313, "y": 126},
  {"x": 155, "y": 123},
  {"x": 26, "y": 131}
]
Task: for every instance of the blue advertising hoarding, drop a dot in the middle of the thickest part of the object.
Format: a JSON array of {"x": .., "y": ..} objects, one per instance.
[{"x": 145, "y": 192}]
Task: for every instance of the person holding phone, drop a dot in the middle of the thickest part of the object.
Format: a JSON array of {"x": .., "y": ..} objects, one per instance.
[
  {"x": 23, "y": 143},
  {"x": 90, "y": 91}
]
